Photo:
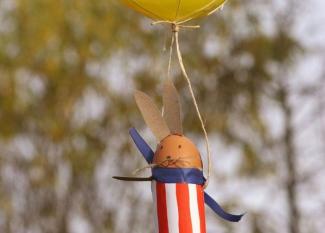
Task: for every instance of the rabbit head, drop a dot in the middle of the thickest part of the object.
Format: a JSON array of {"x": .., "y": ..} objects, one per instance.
[{"x": 174, "y": 150}]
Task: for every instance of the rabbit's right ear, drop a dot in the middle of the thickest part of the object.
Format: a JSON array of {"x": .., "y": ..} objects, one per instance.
[
  {"x": 151, "y": 115},
  {"x": 172, "y": 108}
]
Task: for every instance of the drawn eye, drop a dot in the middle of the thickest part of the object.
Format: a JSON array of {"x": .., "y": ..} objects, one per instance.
[{"x": 179, "y": 146}]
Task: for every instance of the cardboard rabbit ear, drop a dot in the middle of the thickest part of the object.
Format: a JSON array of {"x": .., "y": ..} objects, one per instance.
[
  {"x": 151, "y": 115},
  {"x": 172, "y": 108}
]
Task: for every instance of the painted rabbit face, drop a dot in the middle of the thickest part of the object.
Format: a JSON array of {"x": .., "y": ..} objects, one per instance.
[{"x": 177, "y": 151}]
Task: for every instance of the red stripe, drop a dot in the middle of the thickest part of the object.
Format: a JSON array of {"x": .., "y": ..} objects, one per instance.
[
  {"x": 185, "y": 223},
  {"x": 200, "y": 201},
  {"x": 162, "y": 208}
]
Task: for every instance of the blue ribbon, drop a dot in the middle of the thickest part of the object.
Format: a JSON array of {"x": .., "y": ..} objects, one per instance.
[
  {"x": 219, "y": 211},
  {"x": 180, "y": 175},
  {"x": 142, "y": 146}
]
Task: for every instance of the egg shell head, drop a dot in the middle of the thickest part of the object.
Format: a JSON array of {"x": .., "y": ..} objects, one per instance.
[{"x": 177, "y": 151}]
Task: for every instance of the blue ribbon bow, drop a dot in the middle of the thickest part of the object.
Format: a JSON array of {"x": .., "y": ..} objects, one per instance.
[{"x": 180, "y": 175}]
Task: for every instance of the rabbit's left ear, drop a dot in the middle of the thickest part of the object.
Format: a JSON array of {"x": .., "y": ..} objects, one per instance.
[
  {"x": 152, "y": 115},
  {"x": 172, "y": 108}
]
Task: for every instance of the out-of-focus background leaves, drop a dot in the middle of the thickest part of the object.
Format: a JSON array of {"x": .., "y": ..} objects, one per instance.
[{"x": 67, "y": 73}]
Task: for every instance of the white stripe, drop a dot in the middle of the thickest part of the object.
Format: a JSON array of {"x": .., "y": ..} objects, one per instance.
[
  {"x": 154, "y": 197},
  {"x": 194, "y": 209},
  {"x": 172, "y": 208}
]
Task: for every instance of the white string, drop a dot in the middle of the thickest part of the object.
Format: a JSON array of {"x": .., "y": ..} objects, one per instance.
[
  {"x": 180, "y": 59},
  {"x": 170, "y": 56}
]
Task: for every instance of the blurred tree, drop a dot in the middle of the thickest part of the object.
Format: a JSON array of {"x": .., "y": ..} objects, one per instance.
[{"x": 67, "y": 71}]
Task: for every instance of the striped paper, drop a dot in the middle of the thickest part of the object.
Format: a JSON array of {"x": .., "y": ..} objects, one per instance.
[{"x": 179, "y": 208}]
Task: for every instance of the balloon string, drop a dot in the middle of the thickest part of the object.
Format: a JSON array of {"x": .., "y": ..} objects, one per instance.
[
  {"x": 170, "y": 56},
  {"x": 175, "y": 29}
]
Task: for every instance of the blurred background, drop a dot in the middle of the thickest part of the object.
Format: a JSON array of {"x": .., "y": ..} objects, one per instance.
[{"x": 67, "y": 74}]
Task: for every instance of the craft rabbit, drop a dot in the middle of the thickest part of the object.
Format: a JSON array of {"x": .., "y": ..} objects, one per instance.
[{"x": 177, "y": 176}]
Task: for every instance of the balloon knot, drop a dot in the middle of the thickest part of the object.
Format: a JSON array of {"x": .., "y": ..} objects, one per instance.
[{"x": 175, "y": 27}]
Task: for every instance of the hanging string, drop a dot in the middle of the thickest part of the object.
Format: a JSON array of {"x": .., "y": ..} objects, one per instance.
[
  {"x": 170, "y": 56},
  {"x": 180, "y": 59},
  {"x": 175, "y": 39}
]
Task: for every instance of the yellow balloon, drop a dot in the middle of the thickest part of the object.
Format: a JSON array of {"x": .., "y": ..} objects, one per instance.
[{"x": 176, "y": 11}]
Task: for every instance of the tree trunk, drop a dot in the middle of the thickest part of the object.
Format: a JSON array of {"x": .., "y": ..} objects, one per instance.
[{"x": 290, "y": 162}]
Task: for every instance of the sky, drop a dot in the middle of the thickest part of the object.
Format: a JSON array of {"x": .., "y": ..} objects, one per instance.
[{"x": 312, "y": 22}]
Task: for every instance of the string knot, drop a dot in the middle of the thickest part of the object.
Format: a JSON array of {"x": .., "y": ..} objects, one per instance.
[{"x": 175, "y": 27}]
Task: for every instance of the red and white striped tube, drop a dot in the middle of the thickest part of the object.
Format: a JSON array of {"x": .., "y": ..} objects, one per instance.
[{"x": 179, "y": 207}]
